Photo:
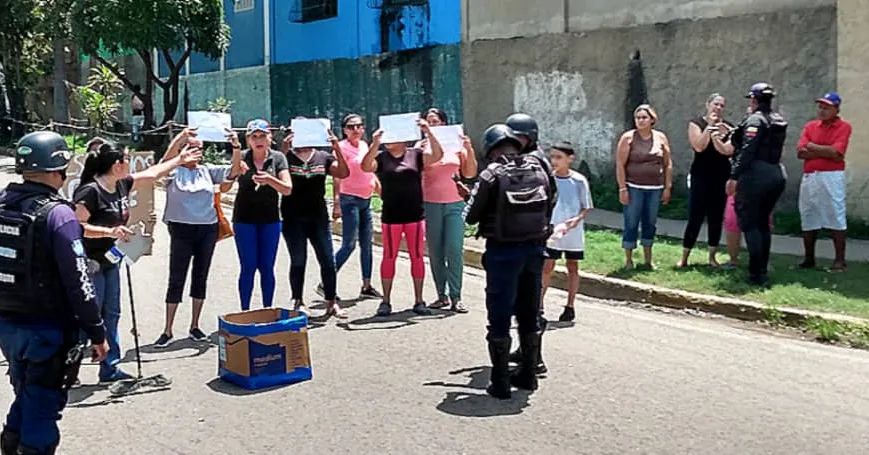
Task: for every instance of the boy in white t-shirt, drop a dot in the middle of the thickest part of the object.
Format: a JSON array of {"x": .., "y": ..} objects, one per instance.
[{"x": 568, "y": 238}]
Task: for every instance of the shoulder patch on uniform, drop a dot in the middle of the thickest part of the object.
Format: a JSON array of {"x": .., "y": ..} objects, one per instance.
[
  {"x": 751, "y": 131},
  {"x": 78, "y": 247}
]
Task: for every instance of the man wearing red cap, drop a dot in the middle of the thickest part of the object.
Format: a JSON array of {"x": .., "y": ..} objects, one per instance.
[{"x": 822, "y": 147}]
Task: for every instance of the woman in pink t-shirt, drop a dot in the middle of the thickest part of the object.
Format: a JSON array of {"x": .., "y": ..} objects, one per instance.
[
  {"x": 352, "y": 202},
  {"x": 445, "y": 226}
]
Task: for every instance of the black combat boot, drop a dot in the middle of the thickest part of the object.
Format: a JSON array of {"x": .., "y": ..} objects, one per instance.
[
  {"x": 499, "y": 351},
  {"x": 9, "y": 442},
  {"x": 525, "y": 377},
  {"x": 516, "y": 356},
  {"x": 541, "y": 367}
]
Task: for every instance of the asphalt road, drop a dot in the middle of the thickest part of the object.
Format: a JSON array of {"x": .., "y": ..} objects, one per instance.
[{"x": 621, "y": 381}]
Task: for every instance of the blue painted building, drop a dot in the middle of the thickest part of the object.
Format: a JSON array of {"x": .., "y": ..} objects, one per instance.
[{"x": 328, "y": 57}]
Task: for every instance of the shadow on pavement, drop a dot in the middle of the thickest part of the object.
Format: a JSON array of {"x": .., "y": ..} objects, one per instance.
[
  {"x": 556, "y": 325},
  {"x": 198, "y": 347},
  {"x": 394, "y": 321},
  {"x": 220, "y": 386},
  {"x": 476, "y": 402},
  {"x": 80, "y": 394},
  {"x": 320, "y": 304}
]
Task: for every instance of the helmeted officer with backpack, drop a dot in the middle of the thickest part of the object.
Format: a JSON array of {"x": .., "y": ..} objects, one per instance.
[
  {"x": 46, "y": 296},
  {"x": 512, "y": 203},
  {"x": 527, "y": 131}
]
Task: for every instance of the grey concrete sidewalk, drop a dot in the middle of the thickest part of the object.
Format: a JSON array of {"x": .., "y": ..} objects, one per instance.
[{"x": 857, "y": 250}]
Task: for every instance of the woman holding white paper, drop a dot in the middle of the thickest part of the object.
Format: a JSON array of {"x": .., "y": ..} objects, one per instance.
[
  {"x": 191, "y": 218},
  {"x": 444, "y": 203},
  {"x": 306, "y": 219},
  {"x": 102, "y": 205},
  {"x": 352, "y": 203},
  {"x": 399, "y": 170}
]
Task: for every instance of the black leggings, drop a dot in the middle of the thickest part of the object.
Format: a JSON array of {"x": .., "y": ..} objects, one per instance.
[
  {"x": 707, "y": 201},
  {"x": 190, "y": 241},
  {"x": 757, "y": 193}
]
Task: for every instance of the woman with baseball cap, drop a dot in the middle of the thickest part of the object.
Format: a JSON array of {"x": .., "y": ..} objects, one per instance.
[{"x": 255, "y": 215}]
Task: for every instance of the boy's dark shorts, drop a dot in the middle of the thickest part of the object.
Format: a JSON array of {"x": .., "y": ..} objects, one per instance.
[{"x": 569, "y": 255}]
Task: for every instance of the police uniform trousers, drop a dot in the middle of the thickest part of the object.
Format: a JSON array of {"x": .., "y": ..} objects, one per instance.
[
  {"x": 758, "y": 191},
  {"x": 36, "y": 354},
  {"x": 514, "y": 273}
]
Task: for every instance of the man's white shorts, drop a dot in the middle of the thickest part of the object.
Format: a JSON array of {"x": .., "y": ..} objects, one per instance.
[{"x": 822, "y": 201}]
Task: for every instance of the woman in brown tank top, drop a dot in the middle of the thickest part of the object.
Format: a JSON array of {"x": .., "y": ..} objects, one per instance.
[{"x": 644, "y": 173}]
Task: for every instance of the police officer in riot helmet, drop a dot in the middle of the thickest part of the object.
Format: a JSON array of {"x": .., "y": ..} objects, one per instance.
[
  {"x": 527, "y": 131},
  {"x": 757, "y": 179},
  {"x": 512, "y": 205},
  {"x": 46, "y": 295}
]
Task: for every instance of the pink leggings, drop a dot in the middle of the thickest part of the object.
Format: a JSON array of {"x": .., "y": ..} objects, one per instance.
[{"x": 414, "y": 235}]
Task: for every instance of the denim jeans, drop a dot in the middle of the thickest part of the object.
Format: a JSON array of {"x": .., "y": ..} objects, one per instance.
[
  {"x": 514, "y": 273},
  {"x": 297, "y": 232},
  {"x": 107, "y": 284},
  {"x": 642, "y": 210},
  {"x": 31, "y": 351},
  {"x": 356, "y": 224},
  {"x": 445, "y": 235}
]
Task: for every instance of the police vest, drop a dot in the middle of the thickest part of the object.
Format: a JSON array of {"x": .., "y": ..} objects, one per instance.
[
  {"x": 29, "y": 278},
  {"x": 523, "y": 208}
]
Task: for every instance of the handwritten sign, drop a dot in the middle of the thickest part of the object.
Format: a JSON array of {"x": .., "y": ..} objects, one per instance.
[
  {"x": 141, "y": 200},
  {"x": 450, "y": 137},
  {"x": 400, "y": 128},
  {"x": 211, "y": 125},
  {"x": 311, "y": 132}
]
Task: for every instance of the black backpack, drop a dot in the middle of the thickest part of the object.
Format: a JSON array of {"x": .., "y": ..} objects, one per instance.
[
  {"x": 525, "y": 199},
  {"x": 28, "y": 277}
]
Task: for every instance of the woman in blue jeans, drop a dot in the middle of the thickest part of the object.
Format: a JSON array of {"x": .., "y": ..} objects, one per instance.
[
  {"x": 305, "y": 219},
  {"x": 255, "y": 216},
  {"x": 644, "y": 173},
  {"x": 445, "y": 226},
  {"x": 103, "y": 208},
  {"x": 352, "y": 203}
]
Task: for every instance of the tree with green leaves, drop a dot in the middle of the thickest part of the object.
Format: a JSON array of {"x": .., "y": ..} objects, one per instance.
[
  {"x": 25, "y": 49},
  {"x": 174, "y": 28}
]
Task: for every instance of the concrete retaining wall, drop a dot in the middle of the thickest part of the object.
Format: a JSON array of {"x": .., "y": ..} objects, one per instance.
[{"x": 577, "y": 84}]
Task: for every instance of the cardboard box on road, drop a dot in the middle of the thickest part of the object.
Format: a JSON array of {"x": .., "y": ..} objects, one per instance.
[{"x": 264, "y": 348}]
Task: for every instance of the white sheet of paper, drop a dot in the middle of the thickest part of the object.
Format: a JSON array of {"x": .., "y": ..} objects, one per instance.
[
  {"x": 311, "y": 132},
  {"x": 400, "y": 128},
  {"x": 211, "y": 125},
  {"x": 450, "y": 137},
  {"x": 136, "y": 246}
]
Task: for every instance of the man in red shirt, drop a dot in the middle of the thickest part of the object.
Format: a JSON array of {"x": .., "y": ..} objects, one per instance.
[{"x": 822, "y": 147}]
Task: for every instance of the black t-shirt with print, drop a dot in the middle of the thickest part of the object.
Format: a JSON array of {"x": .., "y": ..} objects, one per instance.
[
  {"x": 401, "y": 183},
  {"x": 107, "y": 209},
  {"x": 308, "y": 198},
  {"x": 258, "y": 206}
]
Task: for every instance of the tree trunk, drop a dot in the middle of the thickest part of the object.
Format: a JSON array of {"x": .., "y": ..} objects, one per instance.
[
  {"x": 148, "y": 98},
  {"x": 61, "y": 101}
]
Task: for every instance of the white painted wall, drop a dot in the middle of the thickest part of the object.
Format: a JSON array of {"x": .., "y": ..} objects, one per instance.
[{"x": 558, "y": 101}]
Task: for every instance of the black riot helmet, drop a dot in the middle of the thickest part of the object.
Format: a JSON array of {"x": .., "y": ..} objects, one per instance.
[
  {"x": 524, "y": 125},
  {"x": 42, "y": 151},
  {"x": 761, "y": 91},
  {"x": 498, "y": 134}
]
